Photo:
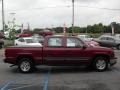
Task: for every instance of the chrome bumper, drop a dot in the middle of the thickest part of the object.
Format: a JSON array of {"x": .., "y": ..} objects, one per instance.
[{"x": 113, "y": 61}]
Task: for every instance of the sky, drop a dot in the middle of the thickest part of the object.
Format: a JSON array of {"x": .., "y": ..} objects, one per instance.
[{"x": 53, "y": 13}]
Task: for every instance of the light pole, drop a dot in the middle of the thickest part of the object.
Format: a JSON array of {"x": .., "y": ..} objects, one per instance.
[
  {"x": 3, "y": 17},
  {"x": 12, "y": 21},
  {"x": 72, "y": 17}
]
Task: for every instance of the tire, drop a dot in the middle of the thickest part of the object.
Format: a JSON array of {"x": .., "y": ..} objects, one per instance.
[
  {"x": 100, "y": 64},
  {"x": 25, "y": 65},
  {"x": 118, "y": 47}
]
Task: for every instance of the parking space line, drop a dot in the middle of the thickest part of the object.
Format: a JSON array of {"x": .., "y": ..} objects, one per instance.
[
  {"x": 6, "y": 85},
  {"x": 22, "y": 87},
  {"x": 13, "y": 81},
  {"x": 46, "y": 80}
]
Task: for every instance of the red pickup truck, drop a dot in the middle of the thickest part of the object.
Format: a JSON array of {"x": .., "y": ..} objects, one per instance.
[{"x": 60, "y": 51}]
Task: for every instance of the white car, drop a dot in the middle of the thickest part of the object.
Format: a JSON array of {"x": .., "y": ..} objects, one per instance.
[
  {"x": 117, "y": 36},
  {"x": 85, "y": 37},
  {"x": 26, "y": 41},
  {"x": 38, "y": 38}
]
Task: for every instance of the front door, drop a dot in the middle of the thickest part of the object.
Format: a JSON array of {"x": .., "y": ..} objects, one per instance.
[{"x": 75, "y": 53}]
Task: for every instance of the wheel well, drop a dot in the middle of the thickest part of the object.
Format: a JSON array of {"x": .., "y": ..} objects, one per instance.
[
  {"x": 105, "y": 56},
  {"x": 24, "y": 56}
]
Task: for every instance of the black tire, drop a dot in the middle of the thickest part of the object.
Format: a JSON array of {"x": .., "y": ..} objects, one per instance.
[
  {"x": 25, "y": 65},
  {"x": 118, "y": 47},
  {"x": 100, "y": 64}
]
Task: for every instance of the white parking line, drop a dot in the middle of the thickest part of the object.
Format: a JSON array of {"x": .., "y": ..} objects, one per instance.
[{"x": 6, "y": 85}]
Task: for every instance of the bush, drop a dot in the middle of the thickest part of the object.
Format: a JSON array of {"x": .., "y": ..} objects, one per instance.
[{"x": 8, "y": 43}]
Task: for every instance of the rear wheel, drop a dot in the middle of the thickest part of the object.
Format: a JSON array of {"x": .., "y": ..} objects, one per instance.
[
  {"x": 25, "y": 65},
  {"x": 100, "y": 64}
]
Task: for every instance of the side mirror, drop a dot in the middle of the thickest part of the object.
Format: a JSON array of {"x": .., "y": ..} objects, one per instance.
[{"x": 84, "y": 46}]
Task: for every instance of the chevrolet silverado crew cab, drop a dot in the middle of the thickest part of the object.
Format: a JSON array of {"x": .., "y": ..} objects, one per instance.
[{"x": 60, "y": 51}]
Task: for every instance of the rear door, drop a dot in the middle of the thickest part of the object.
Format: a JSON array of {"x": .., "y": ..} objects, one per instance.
[
  {"x": 111, "y": 42},
  {"x": 54, "y": 52},
  {"x": 103, "y": 41}
]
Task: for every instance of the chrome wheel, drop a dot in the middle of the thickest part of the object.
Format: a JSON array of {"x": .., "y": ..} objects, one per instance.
[
  {"x": 25, "y": 66},
  {"x": 101, "y": 64}
]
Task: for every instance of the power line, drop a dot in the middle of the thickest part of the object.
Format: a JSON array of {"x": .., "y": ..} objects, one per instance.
[
  {"x": 40, "y": 8},
  {"x": 112, "y": 9},
  {"x": 65, "y": 6}
]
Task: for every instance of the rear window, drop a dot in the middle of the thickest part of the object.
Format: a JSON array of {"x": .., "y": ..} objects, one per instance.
[
  {"x": 29, "y": 41},
  {"x": 55, "y": 42}
]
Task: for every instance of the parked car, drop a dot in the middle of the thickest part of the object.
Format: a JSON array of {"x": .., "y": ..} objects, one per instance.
[
  {"x": 60, "y": 51},
  {"x": 85, "y": 37},
  {"x": 1, "y": 43},
  {"x": 26, "y": 41},
  {"x": 25, "y": 35},
  {"x": 117, "y": 36},
  {"x": 38, "y": 38},
  {"x": 108, "y": 41},
  {"x": 1, "y": 40},
  {"x": 92, "y": 43},
  {"x": 88, "y": 40}
]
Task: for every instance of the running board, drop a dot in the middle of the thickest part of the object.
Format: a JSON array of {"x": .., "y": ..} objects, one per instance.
[{"x": 12, "y": 65}]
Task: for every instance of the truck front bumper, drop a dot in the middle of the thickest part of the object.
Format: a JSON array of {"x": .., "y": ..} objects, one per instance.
[{"x": 113, "y": 61}]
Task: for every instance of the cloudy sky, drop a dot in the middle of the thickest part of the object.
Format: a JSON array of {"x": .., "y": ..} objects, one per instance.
[{"x": 52, "y": 13}]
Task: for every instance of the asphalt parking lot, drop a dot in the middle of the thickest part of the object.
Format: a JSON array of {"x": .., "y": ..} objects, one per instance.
[{"x": 59, "y": 78}]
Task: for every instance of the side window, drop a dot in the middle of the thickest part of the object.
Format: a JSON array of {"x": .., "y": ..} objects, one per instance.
[
  {"x": 110, "y": 39},
  {"x": 103, "y": 38},
  {"x": 55, "y": 42},
  {"x": 74, "y": 42},
  {"x": 21, "y": 40}
]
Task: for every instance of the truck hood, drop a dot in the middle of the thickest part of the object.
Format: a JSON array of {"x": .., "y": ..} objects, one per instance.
[{"x": 100, "y": 48}]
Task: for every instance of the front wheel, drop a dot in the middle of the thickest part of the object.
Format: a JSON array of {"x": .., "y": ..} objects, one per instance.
[
  {"x": 25, "y": 65},
  {"x": 100, "y": 64}
]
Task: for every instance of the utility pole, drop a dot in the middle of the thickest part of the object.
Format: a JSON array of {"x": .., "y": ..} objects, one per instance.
[
  {"x": 22, "y": 28},
  {"x": 113, "y": 28},
  {"x": 3, "y": 17},
  {"x": 12, "y": 22},
  {"x": 28, "y": 26},
  {"x": 12, "y": 26},
  {"x": 72, "y": 17}
]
